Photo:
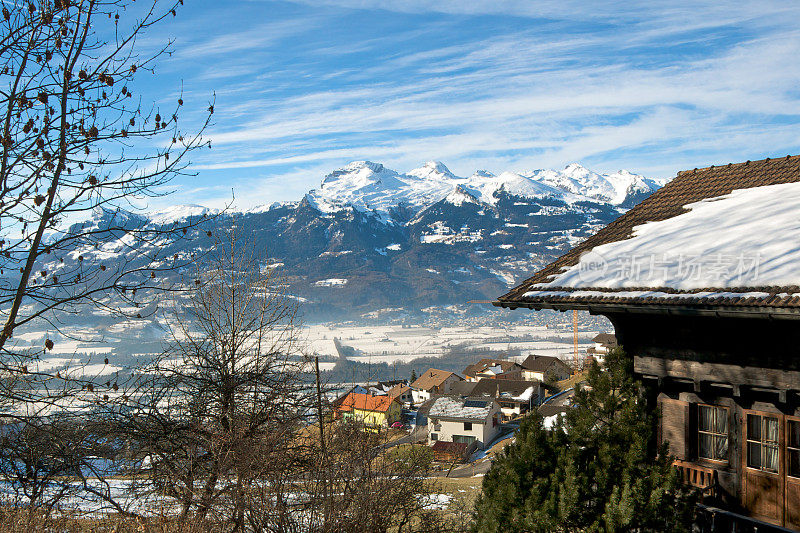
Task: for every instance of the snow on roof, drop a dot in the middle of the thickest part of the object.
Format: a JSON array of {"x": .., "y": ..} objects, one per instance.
[
  {"x": 748, "y": 238},
  {"x": 461, "y": 408},
  {"x": 526, "y": 395},
  {"x": 496, "y": 369}
]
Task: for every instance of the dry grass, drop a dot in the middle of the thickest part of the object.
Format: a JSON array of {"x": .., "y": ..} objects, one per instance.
[
  {"x": 19, "y": 520},
  {"x": 464, "y": 487},
  {"x": 572, "y": 380}
]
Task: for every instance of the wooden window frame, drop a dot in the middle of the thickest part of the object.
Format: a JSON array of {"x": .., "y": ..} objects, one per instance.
[
  {"x": 763, "y": 444},
  {"x": 787, "y": 446},
  {"x": 727, "y": 434}
]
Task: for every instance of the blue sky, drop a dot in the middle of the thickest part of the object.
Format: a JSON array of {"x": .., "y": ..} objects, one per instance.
[{"x": 304, "y": 87}]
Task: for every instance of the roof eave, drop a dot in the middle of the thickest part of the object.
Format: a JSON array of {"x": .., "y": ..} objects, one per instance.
[
  {"x": 476, "y": 419},
  {"x": 602, "y": 308}
]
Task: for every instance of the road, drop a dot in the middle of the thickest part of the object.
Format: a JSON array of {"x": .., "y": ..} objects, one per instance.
[{"x": 470, "y": 470}]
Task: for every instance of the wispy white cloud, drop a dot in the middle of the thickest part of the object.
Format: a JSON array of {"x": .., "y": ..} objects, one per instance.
[{"x": 496, "y": 85}]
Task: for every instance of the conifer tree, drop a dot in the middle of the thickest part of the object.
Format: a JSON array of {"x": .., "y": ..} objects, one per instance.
[{"x": 598, "y": 469}]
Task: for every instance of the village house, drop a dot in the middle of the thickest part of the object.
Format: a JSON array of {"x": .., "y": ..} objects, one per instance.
[
  {"x": 603, "y": 344},
  {"x": 544, "y": 368},
  {"x": 464, "y": 420},
  {"x": 702, "y": 284},
  {"x": 433, "y": 382},
  {"x": 515, "y": 397},
  {"x": 492, "y": 368},
  {"x": 402, "y": 393},
  {"x": 374, "y": 411}
]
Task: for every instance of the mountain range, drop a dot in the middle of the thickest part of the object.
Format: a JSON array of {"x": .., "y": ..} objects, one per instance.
[{"x": 370, "y": 238}]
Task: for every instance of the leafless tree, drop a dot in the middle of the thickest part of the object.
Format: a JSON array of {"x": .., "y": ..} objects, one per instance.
[
  {"x": 221, "y": 409},
  {"x": 77, "y": 141}
]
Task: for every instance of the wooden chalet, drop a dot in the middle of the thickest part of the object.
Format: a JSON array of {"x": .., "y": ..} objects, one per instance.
[{"x": 702, "y": 284}]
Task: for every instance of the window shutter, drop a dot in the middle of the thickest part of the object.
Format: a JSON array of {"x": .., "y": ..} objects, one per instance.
[{"x": 675, "y": 427}]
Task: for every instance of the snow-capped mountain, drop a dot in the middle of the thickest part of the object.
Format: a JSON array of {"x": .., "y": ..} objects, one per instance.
[
  {"x": 617, "y": 188},
  {"x": 413, "y": 239},
  {"x": 371, "y": 186}
]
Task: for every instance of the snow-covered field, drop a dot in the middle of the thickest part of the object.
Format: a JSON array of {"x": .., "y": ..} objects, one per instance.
[{"x": 389, "y": 344}]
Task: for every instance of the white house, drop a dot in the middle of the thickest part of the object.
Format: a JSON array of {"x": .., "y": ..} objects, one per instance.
[
  {"x": 464, "y": 420},
  {"x": 603, "y": 343}
]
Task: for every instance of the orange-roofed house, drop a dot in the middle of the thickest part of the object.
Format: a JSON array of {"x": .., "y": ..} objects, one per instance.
[{"x": 373, "y": 411}]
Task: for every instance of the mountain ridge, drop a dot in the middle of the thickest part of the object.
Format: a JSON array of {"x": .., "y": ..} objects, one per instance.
[{"x": 412, "y": 240}]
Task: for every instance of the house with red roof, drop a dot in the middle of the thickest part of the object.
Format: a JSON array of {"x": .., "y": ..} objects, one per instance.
[{"x": 372, "y": 410}]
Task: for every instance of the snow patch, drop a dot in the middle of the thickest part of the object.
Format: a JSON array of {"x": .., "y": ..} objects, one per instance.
[{"x": 331, "y": 282}]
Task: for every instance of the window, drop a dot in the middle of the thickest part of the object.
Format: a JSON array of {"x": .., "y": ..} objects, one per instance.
[
  {"x": 712, "y": 429},
  {"x": 793, "y": 448},
  {"x": 464, "y": 439},
  {"x": 762, "y": 442},
  {"x": 467, "y": 426},
  {"x": 434, "y": 436}
]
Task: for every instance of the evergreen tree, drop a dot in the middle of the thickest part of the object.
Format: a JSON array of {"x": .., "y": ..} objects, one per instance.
[
  {"x": 598, "y": 469},
  {"x": 413, "y": 375}
]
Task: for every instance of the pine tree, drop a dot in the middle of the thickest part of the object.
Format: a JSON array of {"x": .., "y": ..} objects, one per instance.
[
  {"x": 598, "y": 470},
  {"x": 413, "y": 375}
]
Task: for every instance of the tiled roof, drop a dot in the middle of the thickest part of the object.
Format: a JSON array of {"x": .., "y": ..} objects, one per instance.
[
  {"x": 432, "y": 378},
  {"x": 550, "y": 410},
  {"x": 398, "y": 390},
  {"x": 605, "y": 338},
  {"x": 511, "y": 389},
  {"x": 540, "y": 363},
  {"x": 668, "y": 202},
  {"x": 366, "y": 402},
  {"x": 463, "y": 388},
  {"x": 484, "y": 364},
  {"x": 472, "y": 408}
]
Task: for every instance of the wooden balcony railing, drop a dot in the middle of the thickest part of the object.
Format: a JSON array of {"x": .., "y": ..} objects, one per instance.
[{"x": 700, "y": 477}]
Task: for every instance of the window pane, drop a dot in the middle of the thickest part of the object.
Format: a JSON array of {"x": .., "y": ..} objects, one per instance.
[
  {"x": 771, "y": 458},
  {"x": 753, "y": 455},
  {"x": 793, "y": 463},
  {"x": 706, "y": 449},
  {"x": 794, "y": 433},
  {"x": 721, "y": 448},
  {"x": 722, "y": 420},
  {"x": 770, "y": 429},
  {"x": 706, "y": 416},
  {"x": 753, "y": 427}
]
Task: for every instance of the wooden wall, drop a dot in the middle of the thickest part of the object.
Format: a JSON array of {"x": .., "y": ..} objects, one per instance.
[{"x": 740, "y": 363}]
